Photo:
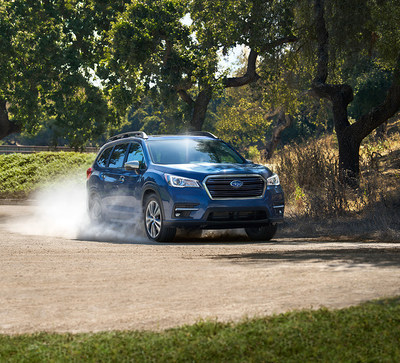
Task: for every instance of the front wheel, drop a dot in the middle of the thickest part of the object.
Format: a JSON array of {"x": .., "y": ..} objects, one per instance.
[
  {"x": 264, "y": 233},
  {"x": 154, "y": 221}
]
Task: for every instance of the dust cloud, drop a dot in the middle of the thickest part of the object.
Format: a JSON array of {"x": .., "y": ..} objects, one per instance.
[{"x": 60, "y": 210}]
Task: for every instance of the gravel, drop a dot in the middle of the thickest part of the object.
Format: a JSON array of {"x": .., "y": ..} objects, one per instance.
[{"x": 99, "y": 283}]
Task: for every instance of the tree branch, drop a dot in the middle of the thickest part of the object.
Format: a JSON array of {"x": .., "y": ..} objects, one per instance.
[
  {"x": 168, "y": 50},
  {"x": 250, "y": 76},
  {"x": 185, "y": 97},
  {"x": 276, "y": 43},
  {"x": 340, "y": 95},
  {"x": 200, "y": 109},
  {"x": 323, "y": 42},
  {"x": 284, "y": 121}
]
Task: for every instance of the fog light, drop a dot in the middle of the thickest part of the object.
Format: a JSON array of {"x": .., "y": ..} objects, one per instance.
[{"x": 184, "y": 210}]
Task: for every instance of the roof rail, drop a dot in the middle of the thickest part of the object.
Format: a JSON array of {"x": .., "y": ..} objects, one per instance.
[
  {"x": 140, "y": 134},
  {"x": 202, "y": 133}
]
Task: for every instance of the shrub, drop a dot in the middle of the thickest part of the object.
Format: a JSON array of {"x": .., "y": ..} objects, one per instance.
[
  {"x": 22, "y": 174},
  {"x": 309, "y": 175}
]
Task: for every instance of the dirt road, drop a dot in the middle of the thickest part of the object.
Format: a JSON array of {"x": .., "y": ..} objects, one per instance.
[{"x": 51, "y": 283}]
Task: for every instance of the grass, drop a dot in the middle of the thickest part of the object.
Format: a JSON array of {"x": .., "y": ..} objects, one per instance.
[
  {"x": 23, "y": 174},
  {"x": 366, "y": 333},
  {"x": 318, "y": 204}
]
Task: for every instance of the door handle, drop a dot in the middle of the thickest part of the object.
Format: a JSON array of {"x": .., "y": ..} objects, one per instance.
[{"x": 121, "y": 178}]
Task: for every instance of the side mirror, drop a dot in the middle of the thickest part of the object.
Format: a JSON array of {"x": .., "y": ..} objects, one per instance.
[{"x": 132, "y": 165}]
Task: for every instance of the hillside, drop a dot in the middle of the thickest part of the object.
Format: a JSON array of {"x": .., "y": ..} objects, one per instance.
[
  {"x": 318, "y": 205},
  {"x": 22, "y": 174}
]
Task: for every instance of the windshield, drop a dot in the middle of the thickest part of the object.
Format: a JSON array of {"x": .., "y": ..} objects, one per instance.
[{"x": 186, "y": 151}]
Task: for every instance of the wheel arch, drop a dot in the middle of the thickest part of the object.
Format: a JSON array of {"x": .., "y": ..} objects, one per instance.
[{"x": 149, "y": 190}]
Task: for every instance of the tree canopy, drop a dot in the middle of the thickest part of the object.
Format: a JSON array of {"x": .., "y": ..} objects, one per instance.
[
  {"x": 82, "y": 66},
  {"x": 49, "y": 51}
]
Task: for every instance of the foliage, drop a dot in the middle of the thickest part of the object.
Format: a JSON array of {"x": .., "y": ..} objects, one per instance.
[
  {"x": 78, "y": 68},
  {"x": 252, "y": 23},
  {"x": 49, "y": 52},
  {"x": 22, "y": 174},
  {"x": 155, "y": 118},
  {"x": 369, "y": 332},
  {"x": 247, "y": 115},
  {"x": 242, "y": 121},
  {"x": 370, "y": 82},
  {"x": 152, "y": 52}
]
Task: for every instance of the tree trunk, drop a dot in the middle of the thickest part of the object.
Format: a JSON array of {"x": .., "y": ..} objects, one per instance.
[
  {"x": 200, "y": 109},
  {"x": 283, "y": 122},
  {"x": 349, "y": 136},
  {"x": 349, "y": 161},
  {"x": 204, "y": 97},
  {"x": 6, "y": 127},
  {"x": 381, "y": 132}
]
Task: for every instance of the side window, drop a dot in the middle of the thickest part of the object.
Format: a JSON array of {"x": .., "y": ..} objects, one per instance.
[
  {"x": 103, "y": 158},
  {"x": 136, "y": 154},
  {"x": 118, "y": 156}
]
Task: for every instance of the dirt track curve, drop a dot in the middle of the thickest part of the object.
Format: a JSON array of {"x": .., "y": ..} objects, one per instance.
[{"x": 51, "y": 283}]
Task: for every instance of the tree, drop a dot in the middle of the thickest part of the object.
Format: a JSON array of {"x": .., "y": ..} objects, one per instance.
[
  {"x": 48, "y": 56},
  {"x": 151, "y": 54},
  {"x": 317, "y": 46},
  {"x": 153, "y": 51},
  {"x": 372, "y": 22}
]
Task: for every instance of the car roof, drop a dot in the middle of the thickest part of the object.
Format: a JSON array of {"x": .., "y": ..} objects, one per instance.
[
  {"x": 180, "y": 136},
  {"x": 139, "y": 135}
]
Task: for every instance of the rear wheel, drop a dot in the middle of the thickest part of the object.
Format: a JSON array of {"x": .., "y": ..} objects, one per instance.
[
  {"x": 264, "y": 233},
  {"x": 154, "y": 221},
  {"x": 95, "y": 209}
]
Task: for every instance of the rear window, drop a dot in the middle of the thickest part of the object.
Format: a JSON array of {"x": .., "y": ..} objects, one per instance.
[
  {"x": 103, "y": 158},
  {"x": 118, "y": 156}
]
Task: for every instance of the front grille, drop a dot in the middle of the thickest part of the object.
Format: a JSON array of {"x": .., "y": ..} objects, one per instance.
[{"x": 221, "y": 188}]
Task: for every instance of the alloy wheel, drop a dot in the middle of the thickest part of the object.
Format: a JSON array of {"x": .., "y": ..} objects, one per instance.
[{"x": 153, "y": 219}]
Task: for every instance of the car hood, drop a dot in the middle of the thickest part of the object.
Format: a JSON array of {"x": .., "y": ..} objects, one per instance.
[{"x": 200, "y": 170}]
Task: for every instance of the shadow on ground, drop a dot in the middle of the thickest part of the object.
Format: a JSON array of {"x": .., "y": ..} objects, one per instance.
[{"x": 379, "y": 257}]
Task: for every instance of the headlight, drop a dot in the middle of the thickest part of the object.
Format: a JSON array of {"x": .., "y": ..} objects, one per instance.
[
  {"x": 180, "y": 182},
  {"x": 273, "y": 180}
]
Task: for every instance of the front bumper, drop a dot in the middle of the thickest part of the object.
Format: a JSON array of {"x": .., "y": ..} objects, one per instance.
[{"x": 193, "y": 208}]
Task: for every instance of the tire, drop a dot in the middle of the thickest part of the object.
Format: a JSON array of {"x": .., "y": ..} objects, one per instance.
[
  {"x": 96, "y": 213},
  {"x": 264, "y": 233},
  {"x": 153, "y": 217}
]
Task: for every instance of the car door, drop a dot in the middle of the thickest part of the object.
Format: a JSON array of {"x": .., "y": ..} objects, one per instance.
[
  {"x": 113, "y": 181},
  {"x": 131, "y": 182}
]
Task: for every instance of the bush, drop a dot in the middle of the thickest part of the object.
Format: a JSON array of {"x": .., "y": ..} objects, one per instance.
[
  {"x": 22, "y": 174},
  {"x": 309, "y": 175}
]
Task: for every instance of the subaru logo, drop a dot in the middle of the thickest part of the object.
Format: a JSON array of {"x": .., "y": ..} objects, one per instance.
[{"x": 236, "y": 183}]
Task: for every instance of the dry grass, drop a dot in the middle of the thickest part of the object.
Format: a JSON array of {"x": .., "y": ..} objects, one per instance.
[{"x": 318, "y": 205}]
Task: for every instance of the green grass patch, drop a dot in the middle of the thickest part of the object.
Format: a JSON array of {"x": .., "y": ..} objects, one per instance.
[
  {"x": 22, "y": 174},
  {"x": 365, "y": 333}
]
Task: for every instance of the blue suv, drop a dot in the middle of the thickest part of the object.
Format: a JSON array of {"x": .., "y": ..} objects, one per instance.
[{"x": 193, "y": 181}]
